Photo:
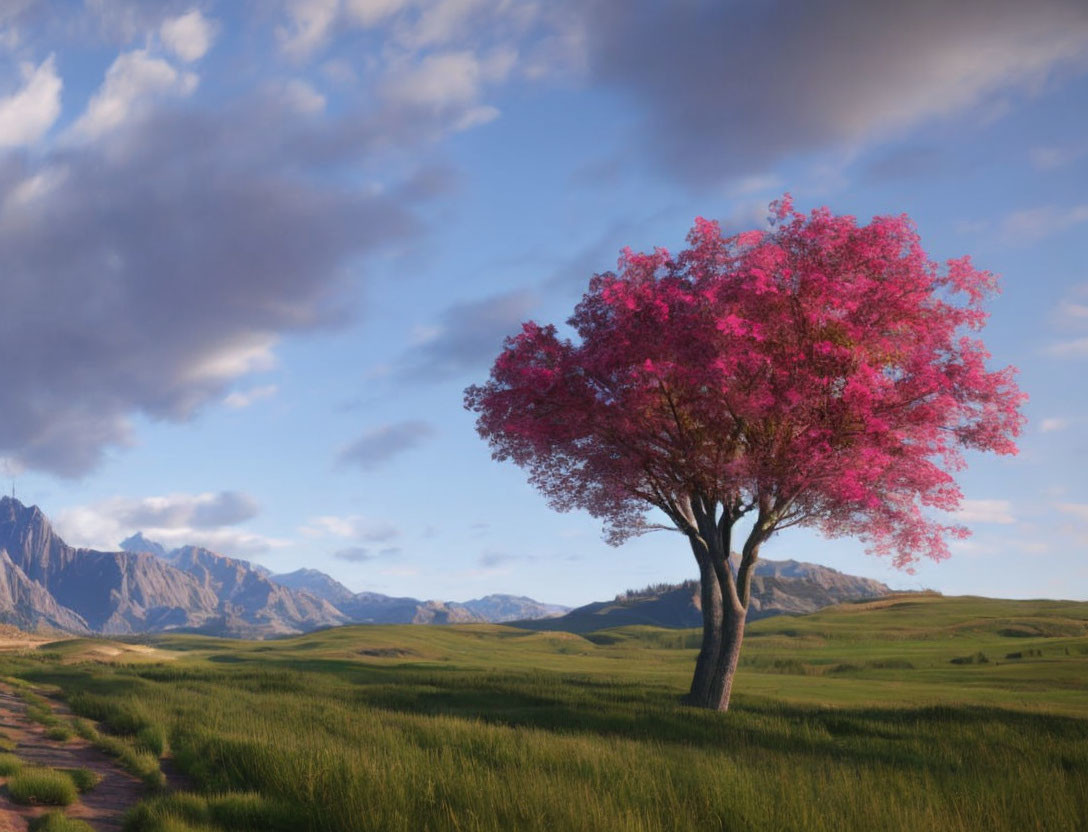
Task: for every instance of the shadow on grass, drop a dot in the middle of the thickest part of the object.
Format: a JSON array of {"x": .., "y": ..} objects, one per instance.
[{"x": 905, "y": 738}]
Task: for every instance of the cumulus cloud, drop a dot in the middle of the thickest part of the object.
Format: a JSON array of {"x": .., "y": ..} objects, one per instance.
[
  {"x": 244, "y": 398},
  {"x": 448, "y": 79},
  {"x": 986, "y": 511},
  {"x": 362, "y": 554},
  {"x": 353, "y": 526},
  {"x": 200, "y": 511},
  {"x": 308, "y": 27},
  {"x": 468, "y": 336},
  {"x": 132, "y": 82},
  {"x": 28, "y": 112},
  {"x": 727, "y": 87},
  {"x": 382, "y": 444},
  {"x": 354, "y": 554},
  {"x": 174, "y": 520},
  {"x": 188, "y": 36},
  {"x": 148, "y": 273}
]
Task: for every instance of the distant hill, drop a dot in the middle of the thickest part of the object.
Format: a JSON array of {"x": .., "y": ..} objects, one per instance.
[
  {"x": 47, "y": 585},
  {"x": 502, "y": 608},
  {"x": 778, "y": 587}
]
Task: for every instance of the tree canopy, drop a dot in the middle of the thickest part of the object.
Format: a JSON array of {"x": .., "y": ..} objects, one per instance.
[{"x": 821, "y": 373}]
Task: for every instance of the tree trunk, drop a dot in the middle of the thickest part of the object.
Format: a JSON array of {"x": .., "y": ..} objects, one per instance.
[
  {"x": 710, "y": 595},
  {"x": 728, "y": 656},
  {"x": 725, "y": 608}
]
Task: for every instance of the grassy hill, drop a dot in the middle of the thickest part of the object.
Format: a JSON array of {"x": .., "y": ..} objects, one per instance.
[{"x": 911, "y": 712}]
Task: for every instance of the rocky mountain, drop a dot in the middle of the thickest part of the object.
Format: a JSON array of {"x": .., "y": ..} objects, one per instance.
[
  {"x": 374, "y": 608},
  {"x": 139, "y": 543},
  {"x": 316, "y": 583},
  {"x": 778, "y": 587},
  {"x": 503, "y": 608},
  {"x": 44, "y": 582}
]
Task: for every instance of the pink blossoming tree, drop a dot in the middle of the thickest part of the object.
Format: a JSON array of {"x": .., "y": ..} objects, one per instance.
[{"x": 819, "y": 374}]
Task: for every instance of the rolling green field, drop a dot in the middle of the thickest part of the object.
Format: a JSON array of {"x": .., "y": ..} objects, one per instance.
[{"x": 910, "y": 713}]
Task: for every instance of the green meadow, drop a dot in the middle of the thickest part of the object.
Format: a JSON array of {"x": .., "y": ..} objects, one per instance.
[{"x": 910, "y": 713}]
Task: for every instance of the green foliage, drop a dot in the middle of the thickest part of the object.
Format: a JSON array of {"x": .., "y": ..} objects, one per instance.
[
  {"x": 58, "y": 822},
  {"x": 10, "y": 765},
  {"x": 42, "y": 785},
  {"x": 1021, "y": 654},
  {"x": 492, "y": 728},
  {"x": 240, "y": 811},
  {"x": 140, "y": 763},
  {"x": 6, "y": 742},
  {"x": 41, "y": 715},
  {"x": 152, "y": 739},
  {"x": 59, "y": 732},
  {"x": 83, "y": 778},
  {"x": 974, "y": 658}
]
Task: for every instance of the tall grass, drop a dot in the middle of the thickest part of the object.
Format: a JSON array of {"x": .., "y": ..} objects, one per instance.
[
  {"x": 318, "y": 734},
  {"x": 42, "y": 785}
]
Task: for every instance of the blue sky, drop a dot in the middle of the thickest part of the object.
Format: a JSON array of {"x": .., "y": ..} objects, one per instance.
[{"x": 251, "y": 253}]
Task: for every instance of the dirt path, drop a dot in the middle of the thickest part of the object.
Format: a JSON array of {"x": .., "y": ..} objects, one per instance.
[{"x": 103, "y": 807}]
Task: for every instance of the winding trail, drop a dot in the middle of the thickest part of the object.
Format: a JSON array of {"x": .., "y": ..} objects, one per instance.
[{"x": 103, "y": 807}]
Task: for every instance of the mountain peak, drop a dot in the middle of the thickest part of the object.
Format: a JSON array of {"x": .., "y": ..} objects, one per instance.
[{"x": 139, "y": 543}]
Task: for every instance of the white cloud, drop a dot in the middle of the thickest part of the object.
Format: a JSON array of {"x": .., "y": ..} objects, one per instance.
[
  {"x": 448, "y": 78},
  {"x": 1052, "y": 424},
  {"x": 986, "y": 511},
  {"x": 1036, "y": 223},
  {"x": 311, "y": 23},
  {"x": 371, "y": 12},
  {"x": 1077, "y": 348},
  {"x": 1078, "y": 510},
  {"x": 354, "y": 526},
  {"x": 248, "y": 354},
  {"x": 244, "y": 398},
  {"x": 476, "y": 117},
  {"x": 173, "y": 520},
  {"x": 131, "y": 82},
  {"x": 302, "y": 97},
  {"x": 1073, "y": 311},
  {"x": 188, "y": 36},
  {"x": 28, "y": 113}
]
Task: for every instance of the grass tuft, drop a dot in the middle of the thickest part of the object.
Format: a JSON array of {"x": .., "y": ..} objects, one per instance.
[
  {"x": 83, "y": 778},
  {"x": 152, "y": 739},
  {"x": 10, "y": 765},
  {"x": 59, "y": 732},
  {"x": 58, "y": 822},
  {"x": 42, "y": 786}
]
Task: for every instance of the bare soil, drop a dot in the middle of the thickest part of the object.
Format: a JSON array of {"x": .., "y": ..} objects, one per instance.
[{"x": 103, "y": 807}]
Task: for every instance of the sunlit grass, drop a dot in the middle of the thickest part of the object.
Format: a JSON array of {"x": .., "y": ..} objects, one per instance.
[
  {"x": 42, "y": 785},
  {"x": 854, "y": 718}
]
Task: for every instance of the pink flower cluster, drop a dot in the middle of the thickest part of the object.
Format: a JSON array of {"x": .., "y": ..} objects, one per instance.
[{"x": 824, "y": 370}]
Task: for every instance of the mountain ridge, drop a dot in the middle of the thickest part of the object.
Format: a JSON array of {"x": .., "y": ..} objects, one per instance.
[
  {"x": 786, "y": 587},
  {"x": 45, "y": 584}
]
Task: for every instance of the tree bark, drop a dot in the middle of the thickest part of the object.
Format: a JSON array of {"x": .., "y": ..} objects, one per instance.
[
  {"x": 725, "y": 609},
  {"x": 728, "y": 656},
  {"x": 710, "y": 596}
]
